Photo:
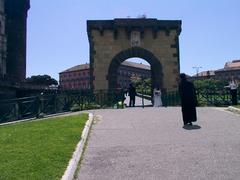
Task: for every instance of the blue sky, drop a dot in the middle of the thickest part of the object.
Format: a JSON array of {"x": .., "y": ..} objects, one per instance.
[{"x": 57, "y": 37}]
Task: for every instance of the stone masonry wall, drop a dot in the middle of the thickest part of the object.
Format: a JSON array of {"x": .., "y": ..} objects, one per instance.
[{"x": 106, "y": 47}]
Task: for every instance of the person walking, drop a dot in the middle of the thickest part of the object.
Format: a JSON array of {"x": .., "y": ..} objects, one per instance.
[
  {"x": 132, "y": 93},
  {"x": 188, "y": 100}
]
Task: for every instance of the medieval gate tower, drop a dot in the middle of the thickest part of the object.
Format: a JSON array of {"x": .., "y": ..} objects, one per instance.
[
  {"x": 114, "y": 41},
  {"x": 16, "y": 12}
]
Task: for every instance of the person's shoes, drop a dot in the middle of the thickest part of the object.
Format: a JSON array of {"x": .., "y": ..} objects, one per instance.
[{"x": 190, "y": 124}]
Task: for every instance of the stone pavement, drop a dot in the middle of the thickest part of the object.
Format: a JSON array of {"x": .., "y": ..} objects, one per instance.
[
  {"x": 151, "y": 144},
  {"x": 138, "y": 101}
]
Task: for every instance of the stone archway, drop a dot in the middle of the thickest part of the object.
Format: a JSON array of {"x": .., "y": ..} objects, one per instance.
[
  {"x": 113, "y": 41},
  {"x": 156, "y": 67}
]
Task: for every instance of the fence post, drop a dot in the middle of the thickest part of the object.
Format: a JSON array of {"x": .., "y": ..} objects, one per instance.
[
  {"x": 41, "y": 108},
  {"x": 55, "y": 102},
  {"x": 17, "y": 111},
  {"x": 37, "y": 106},
  {"x": 142, "y": 98}
]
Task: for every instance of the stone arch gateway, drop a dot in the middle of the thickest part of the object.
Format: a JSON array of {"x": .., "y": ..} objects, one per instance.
[
  {"x": 114, "y": 41},
  {"x": 156, "y": 67}
]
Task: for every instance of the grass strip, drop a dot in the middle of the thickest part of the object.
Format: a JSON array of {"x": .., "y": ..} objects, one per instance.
[{"x": 39, "y": 149}]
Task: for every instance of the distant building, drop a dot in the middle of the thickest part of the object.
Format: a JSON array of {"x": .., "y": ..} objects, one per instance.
[
  {"x": 78, "y": 77},
  {"x": 129, "y": 70},
  {"x": 203, "y": 75},
  {"x": 230, "y": 70}
]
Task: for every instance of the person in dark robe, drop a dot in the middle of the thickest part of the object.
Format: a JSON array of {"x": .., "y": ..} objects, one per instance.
[
  {"x": 188, "y": 100},
  {"x": 132, "y": 93}
]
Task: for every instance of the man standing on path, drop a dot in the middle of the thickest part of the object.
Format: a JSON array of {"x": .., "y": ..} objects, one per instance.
[
  {"x": 132, "y": 93},
  {"x": 233, "y": 91},
  {"x": 188, "y": 100}
]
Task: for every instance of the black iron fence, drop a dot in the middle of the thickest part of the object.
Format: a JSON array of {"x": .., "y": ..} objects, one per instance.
[
  {"x": 38, "y": 106},
  {"x": 171, "y": 98},
  {"x": 205, "y": 97},
  {"x": 214, "y": 97}
]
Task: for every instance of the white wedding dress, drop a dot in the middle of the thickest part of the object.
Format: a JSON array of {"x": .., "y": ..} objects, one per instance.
[{"x": 157, "y": 98}]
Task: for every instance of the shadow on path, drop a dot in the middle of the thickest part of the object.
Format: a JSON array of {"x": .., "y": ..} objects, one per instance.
[{"x": 193, "y": 127}]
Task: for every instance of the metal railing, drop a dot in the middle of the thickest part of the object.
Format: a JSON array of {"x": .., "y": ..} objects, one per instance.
[
  {"x": 171, "y": 98},
  {"x": 214, "y": 97},
  {"x": 205, "y": 97},
  {"x": 37, "y": 106}
]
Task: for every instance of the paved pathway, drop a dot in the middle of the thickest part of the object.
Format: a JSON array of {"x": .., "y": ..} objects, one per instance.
[
  {"x": 138, "y": 101},
  {"x": 150, "y": 144}
]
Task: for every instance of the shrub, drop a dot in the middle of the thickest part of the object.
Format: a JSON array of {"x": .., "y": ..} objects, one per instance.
[{"x": 75, "y": 108}]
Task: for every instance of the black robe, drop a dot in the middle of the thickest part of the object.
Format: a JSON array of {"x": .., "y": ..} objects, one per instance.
[{"x": 188, "y": 101}]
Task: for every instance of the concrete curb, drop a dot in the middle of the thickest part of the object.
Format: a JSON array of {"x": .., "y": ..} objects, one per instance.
[
  {"x": 46, "y": 117},
  {"x": 233, "y": 109},
  {"x": 73, "y": 163}
]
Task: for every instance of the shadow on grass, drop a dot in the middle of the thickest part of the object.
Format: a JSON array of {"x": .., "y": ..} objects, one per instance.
[{"x": 193, "y": 127}]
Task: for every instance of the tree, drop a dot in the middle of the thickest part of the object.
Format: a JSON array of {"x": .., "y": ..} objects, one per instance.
[
  {"x": 135, "y": 79},
  {"x": 210, "y": 84},
  {"x": 44, "y": 80},
  {"x": 141, "y": 84}
]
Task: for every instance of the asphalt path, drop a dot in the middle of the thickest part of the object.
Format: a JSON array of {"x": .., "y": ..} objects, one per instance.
[
  {"x": 139, "y": 102},
  {"x": 152, "y": 144}
]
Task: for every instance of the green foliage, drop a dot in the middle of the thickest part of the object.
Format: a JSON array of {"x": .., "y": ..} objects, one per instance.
[
  {"x": 212, "y": 92},
  {"x": 136, "y": 80},
  {"x": 92, "y": 106},
  {"x": 142, "y": 85},
  {"x": 210, "y": 84},
  {"x": 119, "y": 105},
  {"x": 45, "y": 80},
  {"x": 39, "y": 149},
  {"x": 75, "y": 107}
]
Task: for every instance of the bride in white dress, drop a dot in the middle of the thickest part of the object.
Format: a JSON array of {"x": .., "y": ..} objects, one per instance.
[{"x": 157, "y": 98}]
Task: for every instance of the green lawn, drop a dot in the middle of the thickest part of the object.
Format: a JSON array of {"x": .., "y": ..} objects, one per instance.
[
  {"x": 39, "y": 150},
  {"x": 237, "y": 106}
]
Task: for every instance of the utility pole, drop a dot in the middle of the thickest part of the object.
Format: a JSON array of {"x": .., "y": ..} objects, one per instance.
[{"x": 197, "y": 69}]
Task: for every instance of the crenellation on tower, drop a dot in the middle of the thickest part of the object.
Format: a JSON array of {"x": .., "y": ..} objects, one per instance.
[{"x": 114, "y": 41}]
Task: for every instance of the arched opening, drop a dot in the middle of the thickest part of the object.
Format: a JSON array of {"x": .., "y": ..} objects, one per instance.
[
  {"x": 136, "y": 71},
  {"x": 136, "y": 52}
]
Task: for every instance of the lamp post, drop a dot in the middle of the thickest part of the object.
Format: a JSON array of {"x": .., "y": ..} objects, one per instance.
[{"x": 197, "y": 69}]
